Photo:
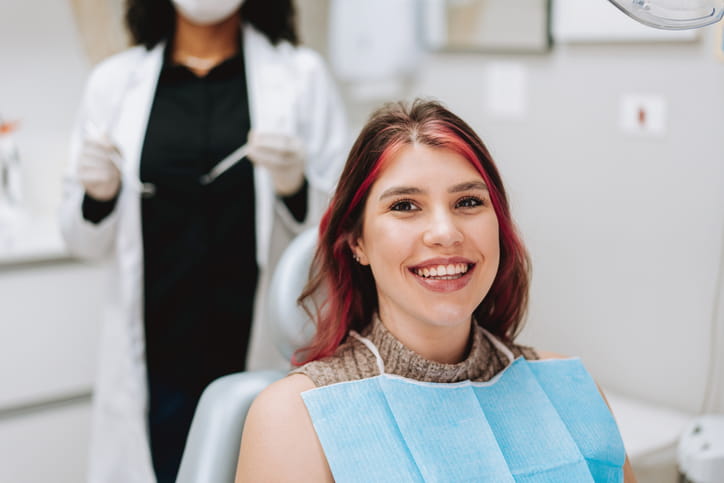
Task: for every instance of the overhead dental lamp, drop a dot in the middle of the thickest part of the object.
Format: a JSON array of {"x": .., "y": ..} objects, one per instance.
[{"x": 673, "y": 14}]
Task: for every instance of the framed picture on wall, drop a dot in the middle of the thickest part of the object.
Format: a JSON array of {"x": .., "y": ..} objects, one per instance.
[{"x": 493, "y": 26}]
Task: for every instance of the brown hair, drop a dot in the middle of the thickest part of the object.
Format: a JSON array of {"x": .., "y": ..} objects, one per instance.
[
  {"x": 350, "y": 296},
  {"x": 152, "y": 21}
]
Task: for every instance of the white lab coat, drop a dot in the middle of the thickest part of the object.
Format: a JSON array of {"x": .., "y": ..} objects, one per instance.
[{"x": 290, "y": 91}]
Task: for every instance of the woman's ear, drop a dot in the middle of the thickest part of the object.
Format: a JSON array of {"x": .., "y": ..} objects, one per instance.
[{"x": 356, "y": 246}]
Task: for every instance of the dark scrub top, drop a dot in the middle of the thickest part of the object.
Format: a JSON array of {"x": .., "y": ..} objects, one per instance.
[
  {"x": 199, "y": 241},
  {"x": 200, "y": 270},
  {"x": 199, "y": 244}
]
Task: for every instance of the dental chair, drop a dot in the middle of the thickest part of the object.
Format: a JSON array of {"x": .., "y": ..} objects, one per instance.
[{"x": 212, "y": 446}]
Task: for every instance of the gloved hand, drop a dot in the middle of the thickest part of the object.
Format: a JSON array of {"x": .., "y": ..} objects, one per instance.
[
  {"x": 282, "y": 155},
  {"x": 97, "y": 166}
]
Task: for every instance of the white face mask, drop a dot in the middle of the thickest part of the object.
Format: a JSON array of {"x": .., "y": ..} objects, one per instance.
[{"x": 206, "y": 12}]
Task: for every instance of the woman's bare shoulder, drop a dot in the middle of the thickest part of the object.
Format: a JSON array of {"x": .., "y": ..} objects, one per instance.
[
  {"x": 279, "y": 442},
  {"x": 294, "y": 384},
  {"x": 280, "y": 401}
]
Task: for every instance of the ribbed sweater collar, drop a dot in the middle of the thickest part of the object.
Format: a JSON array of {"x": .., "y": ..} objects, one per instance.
[{"x": 482, "y": 362}]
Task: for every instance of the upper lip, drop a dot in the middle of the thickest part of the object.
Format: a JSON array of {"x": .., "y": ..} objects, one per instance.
[{"x": 434, "y": 262}]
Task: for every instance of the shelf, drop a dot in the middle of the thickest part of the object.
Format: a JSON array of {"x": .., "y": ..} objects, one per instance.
[{"x": 26, "y": 239}]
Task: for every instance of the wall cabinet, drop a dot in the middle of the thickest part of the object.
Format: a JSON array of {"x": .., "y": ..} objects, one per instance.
[{"x": 49, "y": 325}]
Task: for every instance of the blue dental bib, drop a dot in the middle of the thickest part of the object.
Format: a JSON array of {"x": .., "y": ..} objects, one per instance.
[{"x": 536, "y": 421}]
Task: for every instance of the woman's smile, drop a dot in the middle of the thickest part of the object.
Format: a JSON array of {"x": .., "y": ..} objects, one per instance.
[{"x": 444, "y": 275}]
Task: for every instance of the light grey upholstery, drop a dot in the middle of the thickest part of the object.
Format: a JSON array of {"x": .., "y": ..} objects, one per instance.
[
  {"x": 291, "y": 327},
  {"x": 212, "y": 446}
]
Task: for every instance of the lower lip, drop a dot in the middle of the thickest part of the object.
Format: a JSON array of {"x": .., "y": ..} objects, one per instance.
[{"x": 445, "y": 286}]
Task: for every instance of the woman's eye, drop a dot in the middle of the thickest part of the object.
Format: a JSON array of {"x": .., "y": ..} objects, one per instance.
[
  {"x": 470, "y": 202},
  {"x": 403, "y": 205}
]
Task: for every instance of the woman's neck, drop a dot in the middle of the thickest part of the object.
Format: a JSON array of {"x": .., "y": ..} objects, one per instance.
[
  {"x": 444, "y": 344},
  {"x": 201, "y": 47}
]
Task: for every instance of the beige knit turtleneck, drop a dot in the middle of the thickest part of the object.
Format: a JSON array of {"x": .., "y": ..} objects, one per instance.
[{"x": 353, "y": 360}]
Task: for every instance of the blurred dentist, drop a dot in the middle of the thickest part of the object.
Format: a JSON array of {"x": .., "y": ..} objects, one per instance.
[{"x": 197, "y": 155}]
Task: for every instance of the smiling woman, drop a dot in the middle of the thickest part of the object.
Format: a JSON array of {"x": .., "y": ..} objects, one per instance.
[
  {"x": 395, "y": 134},
  {"x": 413, "y": 373}
]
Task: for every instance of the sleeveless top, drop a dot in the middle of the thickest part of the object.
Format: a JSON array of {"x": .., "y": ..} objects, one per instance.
[{"x": 353, "y": 360}]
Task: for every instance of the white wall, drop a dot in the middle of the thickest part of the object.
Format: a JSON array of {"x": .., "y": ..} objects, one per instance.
[
  {"x": 42, "y": 72},
  {"x": 625, "y": 232}
]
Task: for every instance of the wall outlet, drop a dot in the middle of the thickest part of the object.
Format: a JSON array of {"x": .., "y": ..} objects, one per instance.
[{"x": 643, "y": 115}]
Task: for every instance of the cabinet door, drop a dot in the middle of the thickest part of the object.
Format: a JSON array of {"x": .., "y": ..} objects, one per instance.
[
  {"x": 49, "y": 326},
  {"x": 46, "y": 445}
]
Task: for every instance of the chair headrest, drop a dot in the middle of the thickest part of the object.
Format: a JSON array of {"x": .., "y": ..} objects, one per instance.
[{"x": 290, "y": 325}]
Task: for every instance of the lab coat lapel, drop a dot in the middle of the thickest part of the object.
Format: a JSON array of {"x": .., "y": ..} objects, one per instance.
[
  {"x": 137, "y": 100},
  {"x": 267, "y": 81},
  {"x": 129, "y": 134},
  {"x": 122, "y": 448}
]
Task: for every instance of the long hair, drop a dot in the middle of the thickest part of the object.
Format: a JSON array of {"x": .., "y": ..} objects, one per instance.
[
  {"x": 350, "y": 296},
  {"x": 152, "y": 21}
]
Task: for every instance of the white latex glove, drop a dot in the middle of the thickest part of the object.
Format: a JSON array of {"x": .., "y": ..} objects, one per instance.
[
  {"x": 282, "y": 155},
  {"x": 98, "y": 166}
]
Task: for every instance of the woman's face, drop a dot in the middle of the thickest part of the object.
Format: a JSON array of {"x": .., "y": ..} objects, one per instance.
[{"x": 430, "y": 236}]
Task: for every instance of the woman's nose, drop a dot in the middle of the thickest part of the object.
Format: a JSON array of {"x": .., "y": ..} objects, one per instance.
[{"x": 442, "y": 230}]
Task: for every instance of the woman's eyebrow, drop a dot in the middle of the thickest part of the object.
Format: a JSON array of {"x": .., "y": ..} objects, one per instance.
[
  {"x": 400, "y": 191},
  {"x": 468, "y": 186},
  {"x": 411, "y": 190}
]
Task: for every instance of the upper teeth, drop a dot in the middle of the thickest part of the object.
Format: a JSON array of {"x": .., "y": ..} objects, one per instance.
[{"x": 442, "y": 270}]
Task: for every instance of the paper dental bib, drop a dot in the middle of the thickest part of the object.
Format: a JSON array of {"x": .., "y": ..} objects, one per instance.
[{"x": 539, "y": 421}]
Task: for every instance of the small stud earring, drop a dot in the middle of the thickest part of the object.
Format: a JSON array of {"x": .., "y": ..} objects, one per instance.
[{"x": 356, "y": 258}]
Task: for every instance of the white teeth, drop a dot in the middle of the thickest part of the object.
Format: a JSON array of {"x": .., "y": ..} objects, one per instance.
[{"x": 446, "y": 271}]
